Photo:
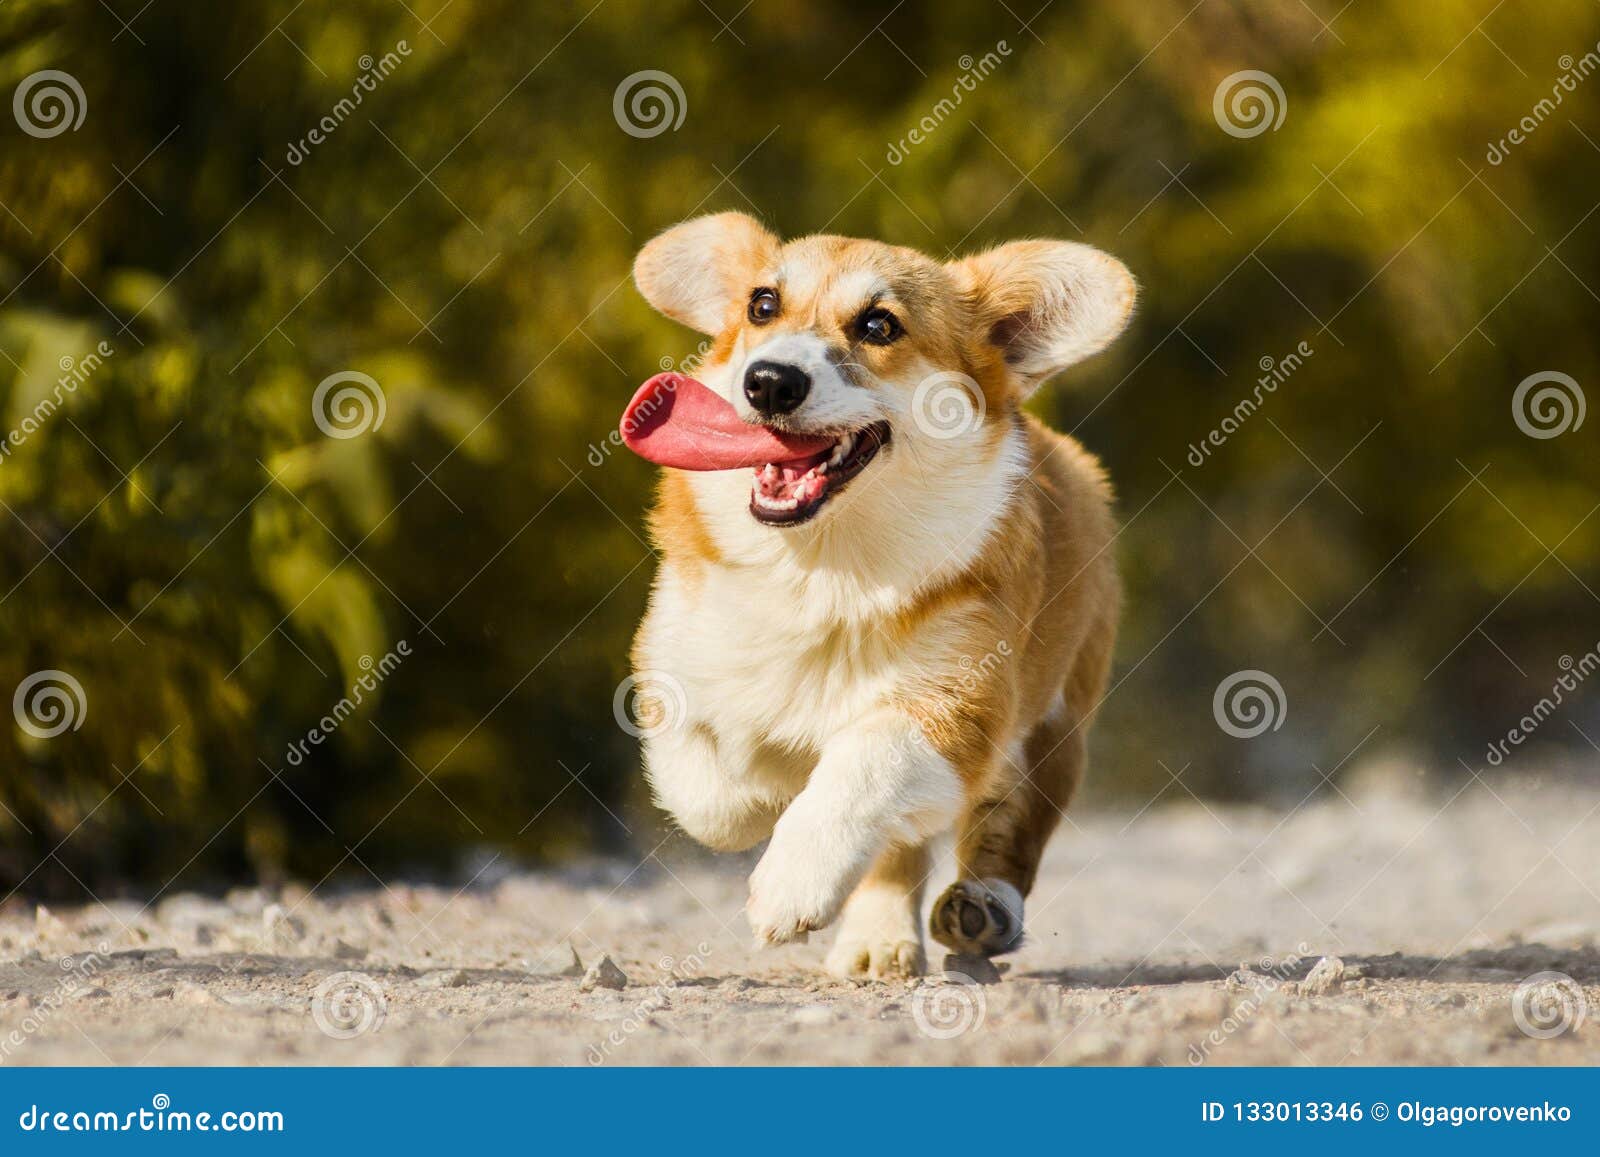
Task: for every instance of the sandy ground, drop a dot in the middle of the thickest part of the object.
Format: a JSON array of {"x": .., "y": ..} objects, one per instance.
[{"x": 1439, "y": 904}]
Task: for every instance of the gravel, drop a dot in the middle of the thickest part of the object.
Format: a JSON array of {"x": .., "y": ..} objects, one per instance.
[{"x": 1389, "y": 927}]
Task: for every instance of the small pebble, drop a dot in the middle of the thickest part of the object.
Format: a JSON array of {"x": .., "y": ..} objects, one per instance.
[
  {"x": 1243, "y": 979},
  {"x": 46, "y": 923},
  {"x": 189, "y": 993},
  {"x": 603, "y": 973},
  {"x": 576, "y": 968},
  {"x": 978, "y": 968},
  {"x": 446, "y": 978},
  {"x": 1327, "y": 975},
  {"x": 143, "y": 954},
  {"x": 281, "y": 926}
]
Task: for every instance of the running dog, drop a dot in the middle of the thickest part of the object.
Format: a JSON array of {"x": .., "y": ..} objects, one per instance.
[{"x": 887, "y": 599}]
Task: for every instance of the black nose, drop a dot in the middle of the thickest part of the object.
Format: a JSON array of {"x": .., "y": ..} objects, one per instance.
[{"x": 775, "y": 388}]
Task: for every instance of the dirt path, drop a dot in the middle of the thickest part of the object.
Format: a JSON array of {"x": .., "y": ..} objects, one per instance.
[{"x": 1137, "y": 928}]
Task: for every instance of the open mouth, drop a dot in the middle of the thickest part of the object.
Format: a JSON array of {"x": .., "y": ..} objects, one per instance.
[{"x": 789, "y": 493}]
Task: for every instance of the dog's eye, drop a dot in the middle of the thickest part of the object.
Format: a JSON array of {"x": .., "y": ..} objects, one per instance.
[
  {"x": 878, "y": 326},
  {"x": 763, "y": 306}
]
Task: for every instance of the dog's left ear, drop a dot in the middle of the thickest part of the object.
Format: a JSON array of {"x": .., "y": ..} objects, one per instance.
[
  {"x": 1046, "y": 304},
  {"x": 697, "y": 271}
]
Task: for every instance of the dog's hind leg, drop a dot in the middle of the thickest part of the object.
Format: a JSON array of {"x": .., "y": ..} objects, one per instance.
[
  {"x": 1002, "y": 837},
  {"x": 880, "y": 933},
  {"x": 1001, "y": 841}
]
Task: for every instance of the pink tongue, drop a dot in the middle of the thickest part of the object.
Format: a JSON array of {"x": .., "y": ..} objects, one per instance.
[{"x": 675, "y": 421}]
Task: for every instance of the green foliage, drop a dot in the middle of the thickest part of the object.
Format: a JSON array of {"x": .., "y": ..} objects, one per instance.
[{"x": 214, "y": 570}]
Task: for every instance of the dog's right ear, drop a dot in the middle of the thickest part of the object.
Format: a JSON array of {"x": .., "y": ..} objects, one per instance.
[{"x": 696, "y": 272}]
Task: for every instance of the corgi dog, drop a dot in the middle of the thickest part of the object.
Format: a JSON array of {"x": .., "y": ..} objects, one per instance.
[{"x": 887, "y": 600}]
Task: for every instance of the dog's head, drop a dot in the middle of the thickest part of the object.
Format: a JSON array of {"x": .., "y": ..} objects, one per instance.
[{"x": 912, "y": 369}]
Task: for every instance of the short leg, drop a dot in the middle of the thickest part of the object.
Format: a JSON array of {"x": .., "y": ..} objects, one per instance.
[
  {"x": 877, "y": 783},
  {"x": 1002, "y": 840},
  {"x": 880, "y": 933},
  {"x": 715, "y": 804}
]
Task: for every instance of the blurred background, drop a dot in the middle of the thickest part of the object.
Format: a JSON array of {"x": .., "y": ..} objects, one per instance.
[{"x": 315, "y": 324}]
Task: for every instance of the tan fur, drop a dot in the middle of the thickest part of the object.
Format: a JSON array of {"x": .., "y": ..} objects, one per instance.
[{"x": 965, "y": 634}]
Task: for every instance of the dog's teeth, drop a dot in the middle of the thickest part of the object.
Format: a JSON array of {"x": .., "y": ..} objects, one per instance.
[{"x": 778, "y": 504}]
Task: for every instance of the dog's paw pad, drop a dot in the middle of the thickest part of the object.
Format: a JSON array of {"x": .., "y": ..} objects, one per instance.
[{"x": 978, "y": 917}]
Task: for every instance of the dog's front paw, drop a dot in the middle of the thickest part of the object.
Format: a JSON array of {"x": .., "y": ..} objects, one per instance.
[
  {"x": 787, "y": 901},
  {"x": 877, "y": 957},
  {"x": 878, "y": 935}
]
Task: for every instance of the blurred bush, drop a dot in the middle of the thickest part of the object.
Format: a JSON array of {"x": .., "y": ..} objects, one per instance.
[{"x": 217, "y": 574}]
